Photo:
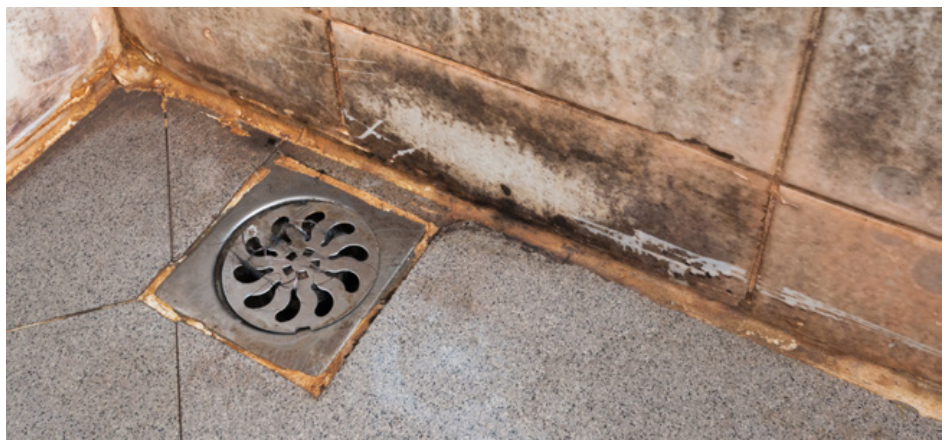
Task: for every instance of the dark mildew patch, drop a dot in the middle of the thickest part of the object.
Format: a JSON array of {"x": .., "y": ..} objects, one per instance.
[
  {"x": 609, "y": 183},
  {"x": 55, "y": 50},
  {"x": 274, "y": 56},
  {"x": 869, "y": 126},
  {"x": 897, "y": 185},
  {"x": 724, "y": 76}
]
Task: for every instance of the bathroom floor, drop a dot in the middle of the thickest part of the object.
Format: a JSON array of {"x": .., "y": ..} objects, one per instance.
[{"x": 486, "y": 338}]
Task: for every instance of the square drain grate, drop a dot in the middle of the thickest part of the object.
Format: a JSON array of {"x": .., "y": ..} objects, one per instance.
[{"x": 292, "y": 267}]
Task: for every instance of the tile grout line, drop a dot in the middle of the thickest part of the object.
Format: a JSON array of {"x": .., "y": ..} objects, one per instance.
[
  {"x": 808, "y": 55},
  {"x": 861, "y": 212},
  {"x": 167, "y": 167},
  {"x": 70, "y": 315},
  {"x": 177, "y": 357},
  {"x": 333, "y": 60}
]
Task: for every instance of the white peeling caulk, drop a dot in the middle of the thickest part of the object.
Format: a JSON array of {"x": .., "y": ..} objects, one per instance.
[
  {"x": 370, "y": 131},
  {"x": 679, "y": 260},
  {"x": 404, "y": 153},
  {"x": 802, "y": 301}
]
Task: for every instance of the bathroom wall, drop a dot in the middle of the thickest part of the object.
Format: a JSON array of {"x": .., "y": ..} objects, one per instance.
[
  {"x": 786, "y": 162},
  {"x": 53, "y": 56}
]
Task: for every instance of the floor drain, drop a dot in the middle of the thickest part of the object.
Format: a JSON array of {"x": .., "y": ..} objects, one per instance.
[
  {"x": 299, "y": 265},
  {"x": 293, "y": 267}
]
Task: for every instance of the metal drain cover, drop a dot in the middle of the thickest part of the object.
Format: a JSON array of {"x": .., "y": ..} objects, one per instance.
[
  {"x": 299, "y": 265},
  {"x": 293, "y": 266}
]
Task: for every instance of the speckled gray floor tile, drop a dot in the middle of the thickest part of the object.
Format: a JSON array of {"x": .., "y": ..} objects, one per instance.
[
  {"x": 110, "y": 373},
  {"x": 208, "y": 165},
  {"x": 87, "y": 224},
  {"x": 487, "y": 339}
]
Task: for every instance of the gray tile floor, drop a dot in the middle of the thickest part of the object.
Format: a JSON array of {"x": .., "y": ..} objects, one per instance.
[{"x": 485, "y": 338}]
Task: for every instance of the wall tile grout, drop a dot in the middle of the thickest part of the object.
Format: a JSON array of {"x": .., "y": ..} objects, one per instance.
[
  {"x": 810, "y": 43},
  {"x": 854, "y": 209},
  {"x": 335, "y": 71}
]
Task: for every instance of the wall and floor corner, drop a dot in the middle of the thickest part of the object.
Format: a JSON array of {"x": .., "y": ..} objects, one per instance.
[
  {"x": 783, "y": 164},
  {"x": 58, "y": 62}
]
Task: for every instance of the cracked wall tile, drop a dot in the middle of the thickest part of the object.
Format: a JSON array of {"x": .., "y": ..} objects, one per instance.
[
  {"x": 723, "y": 77},
  {"x": 275, "y": 56},
  {"x": 860, "y": 285},
  {"x": 869, "y": 128},
  {"x": 664, "y": 205}
]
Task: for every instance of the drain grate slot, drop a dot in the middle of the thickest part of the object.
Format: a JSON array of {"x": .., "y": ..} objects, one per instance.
[{"x": 327, "y": 259}]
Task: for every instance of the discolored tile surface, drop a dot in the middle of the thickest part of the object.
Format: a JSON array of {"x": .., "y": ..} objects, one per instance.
[
  {"x": 723, "y": 77},
  {"x": 109, "y": 374},
  {"x": 87, "y": 223},
  {"x": 71, "y": 43},
  {"x": 658, "y": 203},
  {"x": 489, "y": 339},
  {"x": 869, "y": 128},
  {"x": 848, "y": 280},
  {"x": 275, "y": 56},
  {"x": 208, "y": 164}
]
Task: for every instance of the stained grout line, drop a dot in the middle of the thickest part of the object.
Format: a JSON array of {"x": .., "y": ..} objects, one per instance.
[
  {"x": 810, "y": 42},
  {"x": 861, "y": 212},
  {"x": 177, "y": 357},
  {"x": 699, "y": 147},
  {"x": 167, "y": 166},
  {"x": 70, "y": 315},
  {"x": 333, "y": 59}
]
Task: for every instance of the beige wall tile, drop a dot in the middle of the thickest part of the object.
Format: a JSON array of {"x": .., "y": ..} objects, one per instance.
[
  {"x": 853, "y": 282},
  {"x": 722, "y": 77},
  {"x": 279, "y": 57},
  {"x": 869, "y": 129},
  {"x": 655, "y": 201}
]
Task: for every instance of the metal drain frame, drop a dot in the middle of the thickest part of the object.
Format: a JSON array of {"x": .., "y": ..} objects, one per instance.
[{"x": 190, "y": 289}]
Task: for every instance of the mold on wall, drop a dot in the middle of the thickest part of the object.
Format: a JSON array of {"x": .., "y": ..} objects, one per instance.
[
  {"x": 722, "y": 77},
  {"x": 53, "y": 56},
  {"x": 869, "y": 131},
  {"x": 277, "y": 58},
  {"x": 650, "y": 199}
]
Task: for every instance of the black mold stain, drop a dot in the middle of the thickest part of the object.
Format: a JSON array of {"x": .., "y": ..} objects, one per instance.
[
  {"x": 878, "y": 96},
  {"x": 294, "y": 61},
  {"x": 704, "y": 208}
]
